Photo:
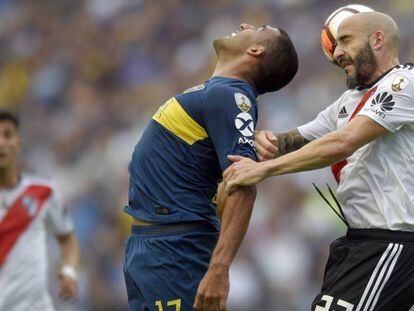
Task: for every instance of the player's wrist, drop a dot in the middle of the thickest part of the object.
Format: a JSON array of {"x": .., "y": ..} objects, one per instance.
[
  {"x": 69, "y": 271},
  {"x": 267, "y": 168},
  {"x": 219, "y": 267}
]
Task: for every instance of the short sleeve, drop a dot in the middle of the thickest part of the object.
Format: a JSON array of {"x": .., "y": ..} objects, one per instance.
[
  {"x": 229, "y": 117},
  {"x": 392, "y": 104},
  {"x": 57, "y": 218},
  {"x": 324, "y": 123}
]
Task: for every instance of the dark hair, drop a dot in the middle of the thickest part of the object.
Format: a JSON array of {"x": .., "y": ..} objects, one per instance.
[
  {"x": 279, "y": 65},
  {"x": 7, "y": 116}
]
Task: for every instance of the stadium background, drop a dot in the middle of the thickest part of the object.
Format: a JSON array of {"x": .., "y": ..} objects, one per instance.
[{"x": 85, "y": 77}]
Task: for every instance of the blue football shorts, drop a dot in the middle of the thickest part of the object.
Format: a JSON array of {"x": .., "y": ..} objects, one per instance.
[{"x": 164, "y": 265}]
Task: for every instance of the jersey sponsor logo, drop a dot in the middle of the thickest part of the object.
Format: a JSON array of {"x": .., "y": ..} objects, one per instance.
[
  {"x": 399, "y": 83},
  {"x": 244, "y": 123},
  {"x": 245, "y": 140},
  {"x": 381, "y": 104},
  {"x": 242, "y": 102},
  {"x": 343, "y": 113}
]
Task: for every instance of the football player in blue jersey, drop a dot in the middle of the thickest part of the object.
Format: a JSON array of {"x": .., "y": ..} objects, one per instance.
[{"x": 179, "y": 253}]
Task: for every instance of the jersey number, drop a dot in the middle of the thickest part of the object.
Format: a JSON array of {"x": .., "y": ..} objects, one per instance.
[
  {"x": 328, "y": 304},
  {"x": 171, "y": 303}
]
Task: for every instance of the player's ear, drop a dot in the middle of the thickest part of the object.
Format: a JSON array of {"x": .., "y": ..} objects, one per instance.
[
  {"x": 256, "y": 50},
  {"x": 377, "y": 39}
]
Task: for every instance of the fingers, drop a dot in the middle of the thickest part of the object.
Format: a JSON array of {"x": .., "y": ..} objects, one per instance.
[
  {"x": 197, "y": 302},
  {"x": 230, "y": 177},
  {"x": 271, "y": 136},
  {"x": 230, "y": 187},
  {"x": 68, "y": 289},
  {"x": 264, "y": 154},
  {"x": 266, "y": 145},
  {"x": 235, "y": 158}
]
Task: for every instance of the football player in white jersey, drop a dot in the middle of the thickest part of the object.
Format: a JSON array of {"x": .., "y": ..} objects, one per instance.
[
  {"x": 367, "y": 136},
  {"x": 29, "y": 207}
]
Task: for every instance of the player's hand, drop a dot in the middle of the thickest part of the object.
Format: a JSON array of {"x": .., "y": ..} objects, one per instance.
[
  {"x": 68, "y": 287},
  {"x": 213, "y": 290},
  {"x": 266, "y": 145},
  {"x": 243, "y": 172}
]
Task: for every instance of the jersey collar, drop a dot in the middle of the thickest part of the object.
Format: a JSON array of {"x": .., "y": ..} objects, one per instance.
[{"x": 370, "y": 85}]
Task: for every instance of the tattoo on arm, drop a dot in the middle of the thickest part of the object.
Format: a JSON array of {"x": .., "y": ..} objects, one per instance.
[{"x": 290, "y": 141}]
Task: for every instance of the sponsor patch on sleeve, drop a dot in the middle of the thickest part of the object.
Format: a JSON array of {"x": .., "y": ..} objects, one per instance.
[
  {"x": 381, "y": 104},
  {"x": 242, "y": 102},
  {"x": 399, "y": 83},
  {"x": 244, "y": 124}
]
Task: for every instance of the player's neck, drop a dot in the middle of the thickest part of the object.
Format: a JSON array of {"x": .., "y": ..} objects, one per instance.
[
  {"x": 227, "y": 70},
  {"x": 9, "y": 177},
  {"x": 383, "y": 68}
]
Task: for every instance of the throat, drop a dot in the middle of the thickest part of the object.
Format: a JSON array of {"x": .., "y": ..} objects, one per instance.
[{"x": 9, "y": 178}]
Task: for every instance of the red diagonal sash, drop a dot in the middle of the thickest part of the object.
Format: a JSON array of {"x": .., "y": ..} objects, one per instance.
[
  {"x": 337, "y": 167},
  {"x": 19, "y": 216}
]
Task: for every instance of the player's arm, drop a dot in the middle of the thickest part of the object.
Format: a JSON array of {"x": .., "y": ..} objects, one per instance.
[
  {"x": 322, "y": 152},
  {"x": 221, "y": 200},
  {"x": 331, "y": 148},
  {"x": 213, "y": 289},
  {"x": 60, "y": 225},
  {"x": 69, "y": 252},
  {"x": 271, "y": 145},
  {"x": 230, "y": 127}
]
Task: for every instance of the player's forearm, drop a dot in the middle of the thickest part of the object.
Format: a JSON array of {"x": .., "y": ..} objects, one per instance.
[
  {"x": 293, "y": 140},
  {"x": 290, "y": 141},
  {"x": 234, "y": 224},
  {"x": 69, "y": 250},
  {"x": 221, "y": 200},
  {"x": 319, "y": 153}
]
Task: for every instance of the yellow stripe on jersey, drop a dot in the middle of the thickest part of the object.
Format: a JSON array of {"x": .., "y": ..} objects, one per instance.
[{"x": 174, "y": 118}]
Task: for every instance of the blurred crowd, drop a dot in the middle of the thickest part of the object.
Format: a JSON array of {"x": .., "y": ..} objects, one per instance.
[{"x": 85, "y": 76}]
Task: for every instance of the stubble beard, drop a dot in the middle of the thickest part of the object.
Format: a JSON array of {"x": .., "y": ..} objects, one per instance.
[{"x": 365, "y": 65}]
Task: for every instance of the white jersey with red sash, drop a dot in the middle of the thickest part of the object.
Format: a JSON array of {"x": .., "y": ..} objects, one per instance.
[
  {"x": 376, "y": 183},
  {"x": 26, "y": 212}
]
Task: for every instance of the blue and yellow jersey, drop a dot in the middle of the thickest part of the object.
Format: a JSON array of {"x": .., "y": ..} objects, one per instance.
[{"x": 182, "y": 153}]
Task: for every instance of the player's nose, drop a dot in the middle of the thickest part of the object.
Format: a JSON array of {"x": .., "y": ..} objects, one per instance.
[
  {"x": 244, "y": 26},
  {"x": 338, "y": 54}
]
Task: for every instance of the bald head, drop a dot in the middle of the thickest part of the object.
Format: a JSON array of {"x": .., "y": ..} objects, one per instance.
[
  {"x": 367, "y": 46},
  {"x": 370, "y": 22}
]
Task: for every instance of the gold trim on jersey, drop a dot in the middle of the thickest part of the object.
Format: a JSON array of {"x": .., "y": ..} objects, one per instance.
[{"x": 175, "y": 119}]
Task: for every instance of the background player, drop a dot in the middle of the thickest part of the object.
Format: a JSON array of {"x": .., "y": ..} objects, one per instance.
[
  {"x": 30, "y": 206},
  {"x": 370, "y": 150},
  {"x": 175, "y": 169}
]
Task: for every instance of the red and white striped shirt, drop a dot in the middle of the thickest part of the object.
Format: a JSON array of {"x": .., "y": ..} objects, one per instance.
[
  {"x": 26, "y": 212},
  {"x": 376, "y": 183}
]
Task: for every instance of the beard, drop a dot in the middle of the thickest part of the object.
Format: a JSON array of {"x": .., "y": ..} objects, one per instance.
[{"x": 365, "y": 65}]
